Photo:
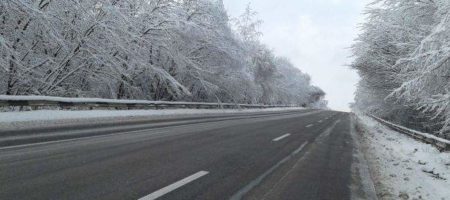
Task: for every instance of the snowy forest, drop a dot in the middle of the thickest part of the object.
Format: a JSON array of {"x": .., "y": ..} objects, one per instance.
[
  {"x": 403, "y": 58},
  {"x": 172, "y": 50}
]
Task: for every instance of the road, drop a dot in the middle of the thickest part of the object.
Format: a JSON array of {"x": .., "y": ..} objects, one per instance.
[{"x": 296, "y": 155}]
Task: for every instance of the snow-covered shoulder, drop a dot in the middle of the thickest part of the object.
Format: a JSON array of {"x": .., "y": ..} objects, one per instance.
[{"x": 403, "y": 168}]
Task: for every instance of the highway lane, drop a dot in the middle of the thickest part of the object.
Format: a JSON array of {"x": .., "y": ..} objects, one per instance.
[
  {"x": 295, "y": 156},
  {"x": 14, "y": 137}
]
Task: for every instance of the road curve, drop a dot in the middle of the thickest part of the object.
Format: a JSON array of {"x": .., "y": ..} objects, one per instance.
[{"x": 304, "y": 155}]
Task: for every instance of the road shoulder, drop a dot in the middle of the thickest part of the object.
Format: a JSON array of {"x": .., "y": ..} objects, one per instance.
[
  {"x": 401, "y": 167},
  {"x": 362, "y": 184}
]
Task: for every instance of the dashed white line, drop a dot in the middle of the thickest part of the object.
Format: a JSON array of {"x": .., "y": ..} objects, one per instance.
[
  {"x": 163, "y": 191},
  {"x": 281, "y": 137},
  {"x": 309, "y": 126},
  {"x": 320, "y": 121}
]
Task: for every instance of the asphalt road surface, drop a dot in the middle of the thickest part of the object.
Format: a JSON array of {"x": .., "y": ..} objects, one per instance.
[{"x": 296, "y": 155}]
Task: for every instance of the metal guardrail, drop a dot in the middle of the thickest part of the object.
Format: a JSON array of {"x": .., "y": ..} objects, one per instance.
[
  {"x": 35, "y": 102},
  {"x": 440, "y": 143}
]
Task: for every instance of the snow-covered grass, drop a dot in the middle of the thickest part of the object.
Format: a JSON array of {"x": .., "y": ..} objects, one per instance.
[
  {"x": 39, "y": 118},
  {"x": 411, "y": 131},
  {"x": 97, "y": 100},
  {"x": 403, "y": 168}
]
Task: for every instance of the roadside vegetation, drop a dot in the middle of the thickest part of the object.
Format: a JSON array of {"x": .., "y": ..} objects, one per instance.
[
  {"x": 171, "y": 50},
  {"x": 403, "y": 59}
]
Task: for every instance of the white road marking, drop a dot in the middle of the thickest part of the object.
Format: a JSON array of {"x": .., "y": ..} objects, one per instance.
[
  {"x": 320, "y": 121},
  {"x": 163, "y": 191},
  {"x": 121, "y": 133},
  {"x": 309, "y": 126},
  {"x": 76, "y": 139},
  {"x": 290, "y": 170},
  {"x": 328, "y": 131},
  {"x": 281, "y": 137},
  {"x": 300, "y": 148},
  {"x": 240, "y": 194}
]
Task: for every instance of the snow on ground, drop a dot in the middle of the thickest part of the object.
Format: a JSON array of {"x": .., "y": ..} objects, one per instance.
[
  {"x": 401, "y": 167},
  {"x": 41, "y": 115},
  {"x": 26, "y": 119},
  {"x": 93, "y": 100}
]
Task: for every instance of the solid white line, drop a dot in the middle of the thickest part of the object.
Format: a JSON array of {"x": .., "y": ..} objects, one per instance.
[
  {"x": 311, "y": 125},
  {"x": 163, "y": 191},
  {"x": 240, "y": 194},
  {"x": 328, "y": 131},
  {"x": 300, "y": 148},
  {"x": 78, "y": 139},
  {"x": 281, "y": 137}
]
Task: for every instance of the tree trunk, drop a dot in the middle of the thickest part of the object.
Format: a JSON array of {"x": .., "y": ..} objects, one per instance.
[
  {"x": 11, "y": 77},
  {"x": 121, "y": 91}
]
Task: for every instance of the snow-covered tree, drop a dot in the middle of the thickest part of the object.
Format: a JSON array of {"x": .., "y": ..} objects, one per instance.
[
  {"x": 141, "y": 49},
  {"x": 403, "y": 59}
]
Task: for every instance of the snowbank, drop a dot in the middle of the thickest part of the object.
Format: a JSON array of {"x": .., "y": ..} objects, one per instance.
[
  {"x": 40, "y": 118},
  {"x": 403, "y": 168},
  {"x": 100, "y": 100},
  {"x": 45, "y": 115}
]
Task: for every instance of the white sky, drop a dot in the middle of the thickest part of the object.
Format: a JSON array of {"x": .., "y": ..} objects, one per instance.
[{"x": 315, "y": 35}]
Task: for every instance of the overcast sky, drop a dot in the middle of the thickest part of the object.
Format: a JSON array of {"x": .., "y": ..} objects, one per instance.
[{"x": 315, "y": 35}]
